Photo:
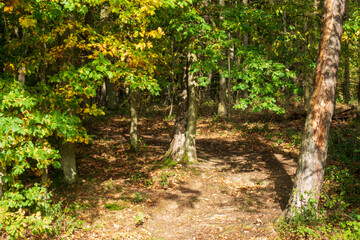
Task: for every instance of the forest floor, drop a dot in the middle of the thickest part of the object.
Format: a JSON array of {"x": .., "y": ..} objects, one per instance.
[{"x": 239, "y": 187}]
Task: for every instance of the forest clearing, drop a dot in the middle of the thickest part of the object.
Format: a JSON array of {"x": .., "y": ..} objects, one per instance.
[
  {"x": 236, "y": 191},
  {"x": 179, "y": 119}
]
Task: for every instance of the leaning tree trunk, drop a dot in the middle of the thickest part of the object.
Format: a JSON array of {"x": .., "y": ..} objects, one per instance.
[
  {"x": 68, "y": 163},
  {"x": 134, "y": 120},
  {"x": 312, "y": 159}
]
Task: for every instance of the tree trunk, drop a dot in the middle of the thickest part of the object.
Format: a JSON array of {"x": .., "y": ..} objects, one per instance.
[
  {"x": 111, "y": 102},
  {"x": 102, "y": 97},
  {"x": 312, "y": 159},
  {"x": 308, "y": 84},
  {"x": 245, "y": 93},
  {"x": 230, "y": 60},
  {"x": 68, "y": 164},
  {"x": 171, "y": 88},
  {"x": 190, "y": 135},
  {"x": 21, "y": 76},
  {"x": 177, "y": 145},
  {"x": 183, "y": 144},
  {"x": 358, "y": 88},
  {"x": 347, "y": 75},
  {"x": 134, "y": 120},
  {"x": 209, "y": 85},
  {"x": 222, "y": 112},
  {"x": 2, "y": 183}
]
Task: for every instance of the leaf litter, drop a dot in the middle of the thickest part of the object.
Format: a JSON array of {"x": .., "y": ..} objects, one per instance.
[{"x": 239, "y": 187}]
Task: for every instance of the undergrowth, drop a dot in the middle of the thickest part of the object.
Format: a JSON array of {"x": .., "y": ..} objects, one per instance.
[{"x": 338, "y": 214}]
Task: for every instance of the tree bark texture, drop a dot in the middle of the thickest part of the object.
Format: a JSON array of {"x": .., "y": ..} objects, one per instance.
[
  {"x": 134, "y": 120},
  {"x": 190, "y": 135},
  {"x": 183, "y": 144},
  {"x": 68, "y": 164},
  {"x": 222, "y": 112},
  {"x": 177, "y": 145},
  {"x": 312, "y": 159}
]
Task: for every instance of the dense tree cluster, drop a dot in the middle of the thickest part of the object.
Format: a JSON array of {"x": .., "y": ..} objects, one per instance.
[{"x": 65, "y": 61}]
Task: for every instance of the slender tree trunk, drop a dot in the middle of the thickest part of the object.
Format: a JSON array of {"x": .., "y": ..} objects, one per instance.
[
  {"x": 287, "y": 92},
  {"x": 358, "y": 87},
  {"x": 102, "y": 99},
  {"x": 68, "y": 164},
  {"x": 308, "y": 85},
  {"x": 21, "y": 76},
  {"x": 190, "y": 135},
  {"x": 307, "y": 79},
  {"x": 230, "y": 61},
  {"x": 245, "y": 93},
  {"x": 209, "y": 85},
  {"x": 111, "y": 101},
  {"x": 312, "y": 159},
  {"x": 347, "y": 75},
  {"x": 222, "y": 111},
  {"x": 2, "y": 183},
  {"x": 134, "y": 120},
  {"x": 43, "y": 69},
  {"x": 171, "y": 88}
]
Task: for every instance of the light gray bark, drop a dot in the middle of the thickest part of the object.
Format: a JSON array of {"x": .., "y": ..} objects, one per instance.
[
  {"x": 103, "y": 94},
  {"x": 134, "y": 120},
  {"x": 68, "y": 163},
  {"x": 209, "y": 85},
  {"x": 177, "y": 145},
  {"x": 21, "y": 76},
  {"x": 222, "y": 111},
  {"x": 312, "y": 159},
  {"x": 230, "y": 61},
  {"x": 190, "y": 135}
]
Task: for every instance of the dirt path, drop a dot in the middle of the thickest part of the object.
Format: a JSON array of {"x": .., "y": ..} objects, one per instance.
[
  {"x": 240, "y": 185},
  {"x": 223, "y": 202}
]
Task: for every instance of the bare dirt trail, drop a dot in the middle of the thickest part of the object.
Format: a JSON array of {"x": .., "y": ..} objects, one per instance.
[
  {"x": 224, "y": 201},
  {"x": 236, "y": 191}
]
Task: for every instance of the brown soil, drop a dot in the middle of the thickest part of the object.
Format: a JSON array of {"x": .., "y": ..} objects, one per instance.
[{"x": 239, "y": 187}]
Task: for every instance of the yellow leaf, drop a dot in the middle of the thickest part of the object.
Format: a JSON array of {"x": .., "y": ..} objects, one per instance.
[
  {"x": 9, "y": 9},
  {"x": 141, "y": 45},
  {"x": 27, "y": 22},
  {"x": 149, "y": 44}
]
